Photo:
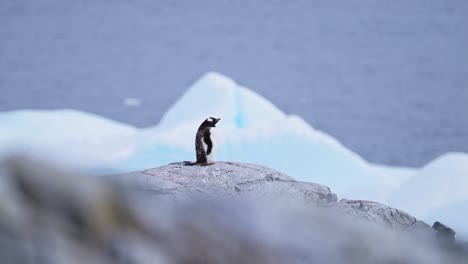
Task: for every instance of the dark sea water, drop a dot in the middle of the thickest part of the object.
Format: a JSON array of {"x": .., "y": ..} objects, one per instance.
[{"x": 388, "y": 78}]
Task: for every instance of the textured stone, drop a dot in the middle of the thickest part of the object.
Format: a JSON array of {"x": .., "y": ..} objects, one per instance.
[
  {"x": 51, "y": 216},
  {"x": 444, "y": 234},
  {"x": 227, "y": 179},
  {"x": 242, "y": 180},
  {"x": 381, "y": 214}
]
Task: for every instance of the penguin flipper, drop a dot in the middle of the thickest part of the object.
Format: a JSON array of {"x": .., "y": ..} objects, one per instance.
[{"x": 209, "y": 143}]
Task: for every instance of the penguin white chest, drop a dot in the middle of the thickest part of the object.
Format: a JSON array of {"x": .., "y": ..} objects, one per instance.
[{"x": 210, "y": 157}]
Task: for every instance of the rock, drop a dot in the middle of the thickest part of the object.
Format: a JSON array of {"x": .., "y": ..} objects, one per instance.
[
  {"x": 227, "y": 179},
  {"x": 225, "y": 213},
  {"x": 463, "y": 247},
  {"x": 445, "y": 234},
  {"x": 242, "y": 180},
  {"x": 383, "y": 215}
]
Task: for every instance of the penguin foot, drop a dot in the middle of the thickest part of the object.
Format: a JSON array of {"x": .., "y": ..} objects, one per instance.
[{"x": 191, "y": 163}]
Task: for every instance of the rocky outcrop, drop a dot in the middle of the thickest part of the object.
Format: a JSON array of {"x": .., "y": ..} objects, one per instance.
[
  {"x": 227, "y": 179},
  {"x": 225, "y": 213},
  {"x": 383, "y": 215},
  {"x": 242, "y": 180},
  {"x": 444, "y": 234}
]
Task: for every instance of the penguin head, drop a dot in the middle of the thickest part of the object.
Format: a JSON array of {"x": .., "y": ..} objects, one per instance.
[{"x": 210, "y": 122}]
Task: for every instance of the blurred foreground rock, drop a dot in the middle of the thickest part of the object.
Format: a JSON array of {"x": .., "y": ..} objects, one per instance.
[{"x": 224, "y": 213}]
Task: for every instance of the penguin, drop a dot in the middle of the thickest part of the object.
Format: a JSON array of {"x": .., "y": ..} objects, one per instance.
[{"x": 205, "y": 142}]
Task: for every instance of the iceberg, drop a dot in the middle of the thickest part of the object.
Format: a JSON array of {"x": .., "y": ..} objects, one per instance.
[
  {"x": 439, "y": 191},
  {"x": 66, "y": 137},
  {"x": 442, "y": 181},
  {"x": 453, "y": 214},
  {"x": 252, "y": 130}
]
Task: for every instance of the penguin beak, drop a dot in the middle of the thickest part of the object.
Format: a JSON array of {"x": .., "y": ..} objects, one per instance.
[{"x": 217, "y": 119}]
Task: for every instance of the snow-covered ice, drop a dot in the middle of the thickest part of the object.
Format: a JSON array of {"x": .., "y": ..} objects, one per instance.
[
  {"x": 66, "y": 137},
  {"x": 442, "y": 181},
  {"x": 252, "y": 130},
  {"x": 439, "y": 191}
]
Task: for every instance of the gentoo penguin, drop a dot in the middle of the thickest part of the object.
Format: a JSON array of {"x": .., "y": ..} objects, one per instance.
[{"x": 205, "y": 142}]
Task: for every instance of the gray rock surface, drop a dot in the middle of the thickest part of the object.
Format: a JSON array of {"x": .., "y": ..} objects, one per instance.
[
  {"x": 383, "y": 215},
  {"x": 227, "y": 179},
  {"x": 225, "y": 213},
  {"x": 242, "y": 180}
]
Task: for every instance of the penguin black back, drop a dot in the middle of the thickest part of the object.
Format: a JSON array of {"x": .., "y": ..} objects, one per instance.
[{"x": 205, "y": 141}]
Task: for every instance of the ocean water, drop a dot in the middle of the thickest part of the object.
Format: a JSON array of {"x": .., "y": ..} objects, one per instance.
[{"x": 389, "y": 79}]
